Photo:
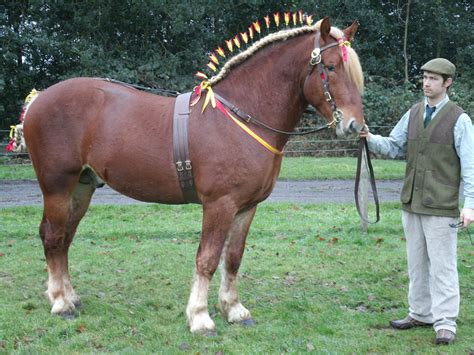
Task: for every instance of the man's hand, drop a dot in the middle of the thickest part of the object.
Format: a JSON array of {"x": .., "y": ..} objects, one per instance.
[
  {"x": 467, "y": 216},
  {"x": 364, "y": 132}
]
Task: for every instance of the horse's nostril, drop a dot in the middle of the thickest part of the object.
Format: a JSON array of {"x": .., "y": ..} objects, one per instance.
[{"x": 352, "y": 126}]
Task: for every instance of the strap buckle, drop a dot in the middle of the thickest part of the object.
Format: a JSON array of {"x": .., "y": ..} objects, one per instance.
[
  {"x": 315, "y": 56},
  {"x": 328, "y": 96},
  {"x": 187, "y": 165},
  {"x": 337, "y": 115}
]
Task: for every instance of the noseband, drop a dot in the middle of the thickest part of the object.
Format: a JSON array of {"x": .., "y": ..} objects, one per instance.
[{"x": 316, "y": 61}]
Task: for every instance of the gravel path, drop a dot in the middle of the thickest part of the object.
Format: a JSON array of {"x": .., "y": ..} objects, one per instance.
[{"x": 27, "y": 193}]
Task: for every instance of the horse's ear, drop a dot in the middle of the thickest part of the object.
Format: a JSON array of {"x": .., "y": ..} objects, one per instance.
[
  {"x": 325, "y": 28},
  {"x": 350, "y": 31}
]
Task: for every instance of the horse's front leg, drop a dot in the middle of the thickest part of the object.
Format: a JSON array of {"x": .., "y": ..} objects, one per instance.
[
  {"x": 217, "y": 219},
  {"x": 232, "y": 254}
]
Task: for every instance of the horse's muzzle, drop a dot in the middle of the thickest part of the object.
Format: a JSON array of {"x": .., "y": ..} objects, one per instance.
[{"x": 349, "y": 128}]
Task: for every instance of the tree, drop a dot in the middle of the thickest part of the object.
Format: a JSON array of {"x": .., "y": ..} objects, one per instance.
[{"x": 163, "y": 42}]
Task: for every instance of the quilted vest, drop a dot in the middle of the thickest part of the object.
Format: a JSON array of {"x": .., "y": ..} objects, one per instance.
[{"x": 433, "y": 170}]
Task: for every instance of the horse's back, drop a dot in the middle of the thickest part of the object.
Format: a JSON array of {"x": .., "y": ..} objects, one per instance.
[{"x": 115, "y": 130}]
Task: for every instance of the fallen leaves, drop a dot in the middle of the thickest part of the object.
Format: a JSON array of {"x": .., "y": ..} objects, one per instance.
[{"x": 81, "y": 328}]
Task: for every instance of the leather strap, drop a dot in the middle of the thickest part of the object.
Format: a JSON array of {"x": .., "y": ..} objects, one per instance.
[
  {"x": 183, "y": 164},
  {"x": 364, "y": 149}
]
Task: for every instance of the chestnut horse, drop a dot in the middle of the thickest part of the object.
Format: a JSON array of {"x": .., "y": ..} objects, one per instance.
[{"x": 84, "y": 131}]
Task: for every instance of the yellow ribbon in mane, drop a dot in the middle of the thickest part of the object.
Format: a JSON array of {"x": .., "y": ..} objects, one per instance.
[
  {"x": 12, "y": 131},
  {"x": 209, "y": 96},
  {"x": 31, "y": 96}
]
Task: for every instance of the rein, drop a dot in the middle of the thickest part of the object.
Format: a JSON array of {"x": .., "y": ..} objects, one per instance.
[
  {"x": 250, "y": 119},
  {"x": 364, "y": 149},
  {"x": 153, "y": 90}
]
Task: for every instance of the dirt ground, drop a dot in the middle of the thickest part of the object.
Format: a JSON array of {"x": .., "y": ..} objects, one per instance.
[{"x": 27, "y": 193}]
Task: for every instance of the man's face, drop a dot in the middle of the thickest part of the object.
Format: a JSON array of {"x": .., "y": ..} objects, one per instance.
[{"x": 434, "y": 86}]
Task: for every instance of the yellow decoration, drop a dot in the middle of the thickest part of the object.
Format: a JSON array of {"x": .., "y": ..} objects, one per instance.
[
  {"x": 309, "y": 20},
  {"x": 287, "y": 18},
  {"x": 294, "y": 18},
  {"x": 254, "y": 135},
  {"x": 211, "y": 66},
  {"x": 230, "y": 46},
  {"x": 276, "y": 18},
  {"x": 220, "y": 51},
  {"x": 12, "y": 131},
  {"x": 209, "y": 97},
  {"x": 214, "y": 58},
  {"x": 251, "y": 32},
  {"x": 201, "y": 75},
  {"x": 256, "y": 25},
  {"x": 267, "y": 21},
  {"x": 237, "y": 41},
  {"x": 31, "y": 96},
  {"x": 245, "y": 37}
]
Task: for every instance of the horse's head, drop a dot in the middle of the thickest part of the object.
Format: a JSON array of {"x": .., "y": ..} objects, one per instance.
[{"x": 334, "y": 81}]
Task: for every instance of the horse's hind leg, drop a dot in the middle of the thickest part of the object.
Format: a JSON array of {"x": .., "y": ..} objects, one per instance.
[
  {"x": 63, "y": 211},
  {"x": 232, "y": 254}
]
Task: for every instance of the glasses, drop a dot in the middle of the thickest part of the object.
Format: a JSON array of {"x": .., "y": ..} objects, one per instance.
[{"x": 460, "y": 225}]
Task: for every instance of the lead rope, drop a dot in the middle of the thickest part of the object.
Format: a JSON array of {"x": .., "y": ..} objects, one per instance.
[{"x": 364, "y": 149}]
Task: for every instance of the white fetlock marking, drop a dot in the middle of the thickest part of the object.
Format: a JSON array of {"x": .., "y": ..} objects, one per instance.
[
  {"x": 62, "y": 306},
  {"x": 69, "y": 292},
  {"x": 198, "y": 316},
  {"x": 65, "y": 296},
  {"x": 229, "y": 302},
  {"x": 201, "y": 323},
  {"x": 238, "y": 313}
]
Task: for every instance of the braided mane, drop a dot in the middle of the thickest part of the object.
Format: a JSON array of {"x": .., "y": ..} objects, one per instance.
[
  {"x": 352, "y": 65},
  {"x": 265, "y": 41}
]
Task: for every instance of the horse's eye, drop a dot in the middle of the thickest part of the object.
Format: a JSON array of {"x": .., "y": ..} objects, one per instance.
[{"x": 331, "y": 67}]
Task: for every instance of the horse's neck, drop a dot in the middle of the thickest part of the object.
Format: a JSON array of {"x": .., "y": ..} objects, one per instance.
[{"x": 269, "y": 85}]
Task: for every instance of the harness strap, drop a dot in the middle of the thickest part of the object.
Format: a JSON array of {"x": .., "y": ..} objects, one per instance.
[
  {"x": 249, "y": 119},
  {"x": 181, "y": 158},
  {"x": 364, "y": 149}
]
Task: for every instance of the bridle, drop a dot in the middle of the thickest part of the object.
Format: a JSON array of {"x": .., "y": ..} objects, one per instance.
[{"x": 316, "y": 61}]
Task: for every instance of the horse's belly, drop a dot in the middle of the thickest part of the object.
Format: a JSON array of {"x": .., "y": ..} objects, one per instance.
[
  {"x": 142, "y": 188},
  {"x": 142, "y": 173}
]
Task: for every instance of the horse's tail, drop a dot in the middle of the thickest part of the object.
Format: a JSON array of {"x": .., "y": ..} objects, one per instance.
[{"x": 17, "y": 142}]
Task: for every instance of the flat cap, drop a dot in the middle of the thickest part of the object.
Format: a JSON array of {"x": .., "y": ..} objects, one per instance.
[{"x": 440, "y": 66}]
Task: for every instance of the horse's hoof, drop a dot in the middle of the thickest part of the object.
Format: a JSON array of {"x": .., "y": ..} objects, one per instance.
[{"x": 248, "y": 322}]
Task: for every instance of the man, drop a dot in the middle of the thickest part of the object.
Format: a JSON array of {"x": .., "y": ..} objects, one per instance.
[{"x": 437, "y": 138}]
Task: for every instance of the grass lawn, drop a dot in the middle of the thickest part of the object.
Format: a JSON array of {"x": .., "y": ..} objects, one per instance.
[
  {"x": 301, "y": 168},
  {"x": 311, "y": 279}
]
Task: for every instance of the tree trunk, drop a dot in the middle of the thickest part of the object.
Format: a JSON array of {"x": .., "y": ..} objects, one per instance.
[{"x": 405, "y": 40}]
